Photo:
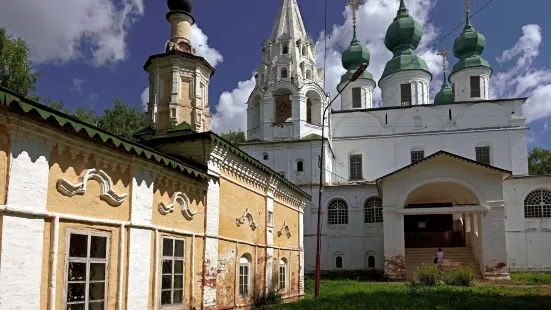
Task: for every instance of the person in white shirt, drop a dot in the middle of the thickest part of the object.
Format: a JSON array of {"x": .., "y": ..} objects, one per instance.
[{"x": 440, "y": 258}]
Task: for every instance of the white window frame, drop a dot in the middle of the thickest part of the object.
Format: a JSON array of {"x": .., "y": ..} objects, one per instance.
[
  {"x": 356, "y": 173},
  {"x": 183, "y": 275},
  {"x": 357, "y": 98},
  {"x": 337, "y": 212},
  {"x": 87, "y": 260},
  {"x": 373, "y": 210},
  {"x": 270, "y": 219},
  {"x": 244, "y": 262},
  {"x": 489, "y": 154},
  {"x": 282, "y": 275}
]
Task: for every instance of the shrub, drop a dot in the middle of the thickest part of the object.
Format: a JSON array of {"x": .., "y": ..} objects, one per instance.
[
  {"x": 427, "y": 276},
  {"x": 462, "y": 276},
  {"x": 273, "y": 298}
]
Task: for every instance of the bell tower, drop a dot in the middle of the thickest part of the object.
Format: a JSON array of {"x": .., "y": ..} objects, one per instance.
[{"x": 178, "y": 80}]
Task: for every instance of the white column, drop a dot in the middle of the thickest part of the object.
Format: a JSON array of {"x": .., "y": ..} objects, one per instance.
[
  {"x": 139, "y": 253},
  {"x": 394, "y": 243},
  {"x": 493, "y": 242},
  {"x": 267, "y": 116},
  {"x": 211, "y": 244},
  {"x": 22, "y": 236},
  {"x": 299, "y": 113}
]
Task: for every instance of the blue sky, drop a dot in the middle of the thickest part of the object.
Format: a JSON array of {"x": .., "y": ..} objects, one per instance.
[{"x": 97, "y": 53}]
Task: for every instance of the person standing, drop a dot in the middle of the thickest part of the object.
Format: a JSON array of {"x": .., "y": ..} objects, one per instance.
[{"x": 440, "y": 258}]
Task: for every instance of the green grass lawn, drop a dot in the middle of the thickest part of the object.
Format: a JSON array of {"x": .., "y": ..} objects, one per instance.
[
  {"x": 531, "y": 278},
  {"x": 350, "y": 295}
]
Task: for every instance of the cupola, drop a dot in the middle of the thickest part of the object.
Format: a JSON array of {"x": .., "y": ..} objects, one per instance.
[
  {"x": 468, "y": 47},
  {"x": 445, "y": 95}
]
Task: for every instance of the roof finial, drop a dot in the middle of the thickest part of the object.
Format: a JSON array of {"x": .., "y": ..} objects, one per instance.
[
  {"x": 403, "y": 10},
  {"x": 444, "y": 53},
  {"x": 354, "y": 5},
  {"x": 468, "y": 17}
]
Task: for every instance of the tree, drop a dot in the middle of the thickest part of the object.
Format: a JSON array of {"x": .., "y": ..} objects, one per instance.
[
  {"x": 123, "y": 119},
  {"x": 539, "y": 161},
  {"x": 234, "y": 137},
  {"x": 16, "y": 67}
]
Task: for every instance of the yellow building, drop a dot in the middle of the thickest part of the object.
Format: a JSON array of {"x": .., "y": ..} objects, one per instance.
[{"x": 181, "y": 220}]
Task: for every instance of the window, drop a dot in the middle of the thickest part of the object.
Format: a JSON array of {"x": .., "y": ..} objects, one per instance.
[
  {"x": 475, "y": 87},
  {"x": 356, "y": 97},
  {"x": 337, "y": 212},
  {"x": 282, "y": 274},
  {"x": 285, "y": 49},
  {"x": 283, "y": 73},
  {"x": 244, "y": 269},
  {"x": 338, "y": 262},
  {"x": 300, "y": 166},
  {"x": 371, "y": 261},
  {"x": 173, "y": 112},
  {"x": 172, "y": 287},
  {"x": 373, "y": 210},
  {"x": 483, "y": 154},
  {"x": 86, "y": 273},
  {"x": 538, "y": 204},
  {"x": 304, "y": 51},
  {"x": 265, "y": 156},
  {"x": 405, "y": 94},
  {"x": 417, "y": 156},
  {"x": 309, "y": 111},
  {"x": 270, "y": 218},
  {"x": 308, "y": 74},
  {"x": 417, "y": 122},
  {"x": 356, "y": 167}
]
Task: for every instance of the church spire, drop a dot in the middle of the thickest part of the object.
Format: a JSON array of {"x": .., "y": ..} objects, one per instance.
[{"x": 289, "y": 21}]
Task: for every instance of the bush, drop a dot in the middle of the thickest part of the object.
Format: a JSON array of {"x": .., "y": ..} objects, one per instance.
[
  {"x": 462, "y": 276},
  {"x": 273, "y": 298},
  {"x": 427, "y": 276}
]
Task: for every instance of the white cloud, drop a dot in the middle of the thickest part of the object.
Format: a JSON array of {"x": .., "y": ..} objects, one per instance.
[
  {"x": 77, "y": 85},
  {"x": 199, "y": 41},
  {"x": 59, "y": 31},
  {"x": 145, "y": 98},
  {"x": 231, "y": 111},
  {"x": 521, "y": 79}
]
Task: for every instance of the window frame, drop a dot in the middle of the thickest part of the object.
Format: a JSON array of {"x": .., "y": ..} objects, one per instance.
[
  {"x": 409, "y": 102},
  {"x": 282, "y": 276},
  {"x": 286, "y": 71},
  {"x": 300, "y": 165},
  {"x": 541, "y": 210},
  {"x": 414, "y": 156},
  {"x": 352, "y": 176},
  {"x": 337, "y": 257},
  {"x": 370, "y": 256},
  {"x": 337, "y": 215},
  {"x": 265, "y": 156},
  {"x": 475, "y": 80},
  {"x": 270, "y": 219},
  {"x": 373, "y": 210},
  {"x": 247, "y": 276},
  {"x": 489, "y": 155},
  {"x": 87, "y": 260},
  {"x": 357, "y": 98},
  {"x": 173, "y": 274}
]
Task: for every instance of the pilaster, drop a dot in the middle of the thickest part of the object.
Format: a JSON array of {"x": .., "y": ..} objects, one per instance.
[
  {"x": 270, "y": 233},
  {"x": 394, "y": 244},
  {"x": 494, "y": 244},
  {"x": 211, "y": 244},
  {"x": 298, "y": 113}
]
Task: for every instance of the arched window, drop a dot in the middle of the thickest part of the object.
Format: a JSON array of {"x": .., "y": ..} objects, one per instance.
[
  {"x": 309, "y": 111},
  {"x": 282, "y": 274},
  {"x": 303, "y": 50},
  {"x": 373, "y": 210},
  {"x": 371, "y": 261},
  {"x": 337, "y": 212},
  {"x": 285, "y": 49},
  {"x": 284, "y": 73},
  {"x": 338, "y": 260},
  {"x": 244, "y": 275},
  {"x": 300, "y": 165},
  {"x": 538, "y": 204},
  {"x": 308, "y": 74}
]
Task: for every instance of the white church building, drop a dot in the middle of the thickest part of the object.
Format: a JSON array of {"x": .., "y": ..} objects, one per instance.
[{"x": 410, "y": 175}]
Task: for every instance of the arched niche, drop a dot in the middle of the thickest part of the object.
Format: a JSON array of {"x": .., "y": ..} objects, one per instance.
[
  {"x": 425, "y": 118},
  {"x": 484, "y": 114},
  {"x": 283, "y": 105},
  {"x": 313, "y": 107},
  {"x": 256, "y": 119}
]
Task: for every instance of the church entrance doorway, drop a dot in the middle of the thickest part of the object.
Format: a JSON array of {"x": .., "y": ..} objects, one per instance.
[{"x": 434, "y": 231}]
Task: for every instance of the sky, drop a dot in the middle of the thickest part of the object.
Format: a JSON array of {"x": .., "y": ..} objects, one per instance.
[{"x": 89, "y": 52}]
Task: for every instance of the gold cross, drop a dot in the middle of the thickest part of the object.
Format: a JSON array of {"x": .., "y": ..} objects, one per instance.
[
  {"x": 467, "y": 7},
  {"x": 444, "y": 54},
  {"x": 354, "y": 5}
]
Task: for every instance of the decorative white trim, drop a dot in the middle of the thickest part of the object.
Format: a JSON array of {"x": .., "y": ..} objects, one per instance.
[
  {"x": 246, "y": 215},
  {"x": 285, "y": 229},
  {"x": 107, "y": 193},
  {"x": 181, "y": 199}
]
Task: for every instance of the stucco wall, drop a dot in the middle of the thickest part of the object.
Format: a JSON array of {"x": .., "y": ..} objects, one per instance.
[
  {"x": 90, "y": 204},
  {"x": 4, "y": 164},
  {"x": 289, "y": 217}
]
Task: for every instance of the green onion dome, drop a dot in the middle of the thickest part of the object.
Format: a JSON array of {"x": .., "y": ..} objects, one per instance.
[
  {"x": 445, "y": 95},
  {"x": 402, "y": 38},
  {"x": 354, "y": 56},
  {"x": 468, "y": 47}
]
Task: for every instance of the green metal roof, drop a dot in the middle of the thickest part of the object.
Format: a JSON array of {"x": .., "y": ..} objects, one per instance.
[
  {"x": 30, "y": 107},
  {"x": 445, "y": 95},
  {"x": 403, "y": 36},
  {"x": 354, "y": 56},
  {"x": 468, "y": 47}
]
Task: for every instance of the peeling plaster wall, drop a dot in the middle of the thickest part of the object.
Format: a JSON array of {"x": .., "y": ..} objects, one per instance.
[
  {"x": 4, "y": 164},
  {"x": 139, "y": 276}
]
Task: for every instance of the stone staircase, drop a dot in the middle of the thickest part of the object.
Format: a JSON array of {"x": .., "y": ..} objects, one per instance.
[{"x": 453, "y": 258}]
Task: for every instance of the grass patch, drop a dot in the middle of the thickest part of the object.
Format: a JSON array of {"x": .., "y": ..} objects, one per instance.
[
  {"x": 346, "y": 294},
  {"x": 530, "y": 278}
]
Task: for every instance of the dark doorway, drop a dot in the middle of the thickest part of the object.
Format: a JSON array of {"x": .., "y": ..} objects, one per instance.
[{"x": 432, "y": 230}]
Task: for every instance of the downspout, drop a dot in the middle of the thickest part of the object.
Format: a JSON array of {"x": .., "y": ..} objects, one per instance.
[
  {"x": 121, "y": 266},
  {"x": 155, "y": 276},
  {"x": 53, "y": 263}
]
